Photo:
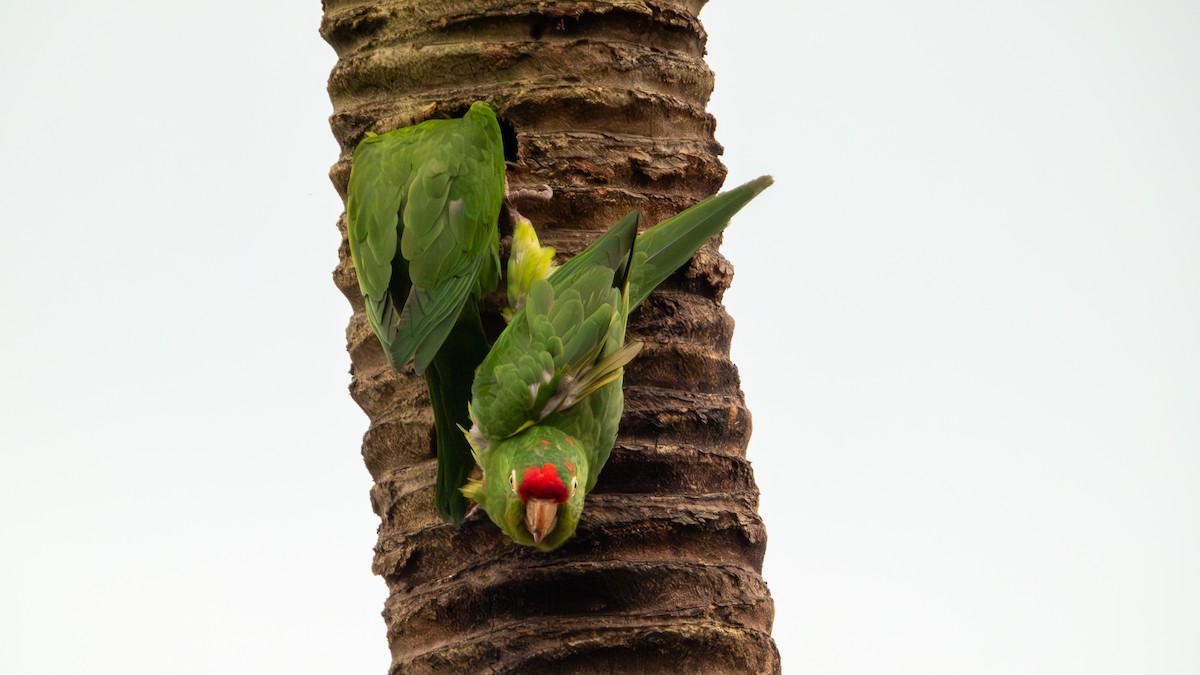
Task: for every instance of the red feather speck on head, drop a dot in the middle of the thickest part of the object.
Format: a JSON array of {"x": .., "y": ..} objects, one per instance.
[{"x": 542, "y": 483}]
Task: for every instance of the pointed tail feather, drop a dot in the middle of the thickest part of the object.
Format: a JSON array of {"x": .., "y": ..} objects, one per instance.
[
  {"x": 449, "y": 380},
  {"x": 667, "y": 246},
  {"x": 603, "y": 372}
]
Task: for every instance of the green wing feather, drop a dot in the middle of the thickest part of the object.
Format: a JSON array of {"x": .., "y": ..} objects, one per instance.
[
  {"x": 421, "y": 217},
  {"x": 566, "y": 342},
  {"x": 377, "y": 181}
]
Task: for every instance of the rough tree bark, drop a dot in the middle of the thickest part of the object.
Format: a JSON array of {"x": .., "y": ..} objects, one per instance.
[{"x": 604, "y": 102}]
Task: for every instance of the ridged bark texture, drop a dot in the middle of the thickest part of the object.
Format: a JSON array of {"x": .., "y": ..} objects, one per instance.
[{"x": 604, "y": 102}]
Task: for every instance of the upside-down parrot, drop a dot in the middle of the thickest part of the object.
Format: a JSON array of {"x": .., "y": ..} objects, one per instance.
[
  {"x": 422, "y": 210},
  {"x": 547, "y": 399}
]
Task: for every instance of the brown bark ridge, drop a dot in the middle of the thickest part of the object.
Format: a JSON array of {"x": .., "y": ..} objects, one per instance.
[{"x": 604, "y": 102}]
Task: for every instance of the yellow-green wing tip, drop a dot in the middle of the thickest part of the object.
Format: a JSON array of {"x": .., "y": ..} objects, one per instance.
[{"x": 473, "y": 489}]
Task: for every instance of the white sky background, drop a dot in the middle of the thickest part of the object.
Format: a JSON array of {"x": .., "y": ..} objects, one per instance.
[{"x": 968, "y": 329}]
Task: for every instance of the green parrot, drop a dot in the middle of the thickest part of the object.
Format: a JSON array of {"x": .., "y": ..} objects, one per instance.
[
  {"x": 547, "y": 399},
  {"x": 422, "y": 214}
]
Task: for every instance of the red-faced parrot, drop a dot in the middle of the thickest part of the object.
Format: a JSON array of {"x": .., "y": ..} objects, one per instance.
[{"x": 547, "y": 399}]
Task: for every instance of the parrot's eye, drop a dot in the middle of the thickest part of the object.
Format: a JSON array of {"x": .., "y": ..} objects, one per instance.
[
  {"x": 512, "y": 480},
  {"x": 574, "y": 484}
]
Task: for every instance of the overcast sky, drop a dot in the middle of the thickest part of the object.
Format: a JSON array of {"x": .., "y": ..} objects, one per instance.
[{"x": 968, "y": 328}]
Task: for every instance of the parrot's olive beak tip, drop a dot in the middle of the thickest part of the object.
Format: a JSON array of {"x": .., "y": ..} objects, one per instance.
[{"x": 541, "y": 515}]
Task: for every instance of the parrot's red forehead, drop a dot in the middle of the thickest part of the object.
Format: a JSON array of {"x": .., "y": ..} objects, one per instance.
[{"x": 542, "y": 483}]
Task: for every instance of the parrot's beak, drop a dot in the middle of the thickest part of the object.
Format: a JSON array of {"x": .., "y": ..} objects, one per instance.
[{"x": 540, "y": 517}]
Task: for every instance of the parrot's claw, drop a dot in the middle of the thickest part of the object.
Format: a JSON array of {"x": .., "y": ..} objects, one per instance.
[{"x": 539, "y": 192}]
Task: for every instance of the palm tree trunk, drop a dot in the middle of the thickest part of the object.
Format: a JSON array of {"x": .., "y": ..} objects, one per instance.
[{"x": 604, "y": 102}]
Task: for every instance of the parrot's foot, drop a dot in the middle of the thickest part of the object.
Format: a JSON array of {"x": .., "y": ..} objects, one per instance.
[{"x": 509, "y": 215}]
